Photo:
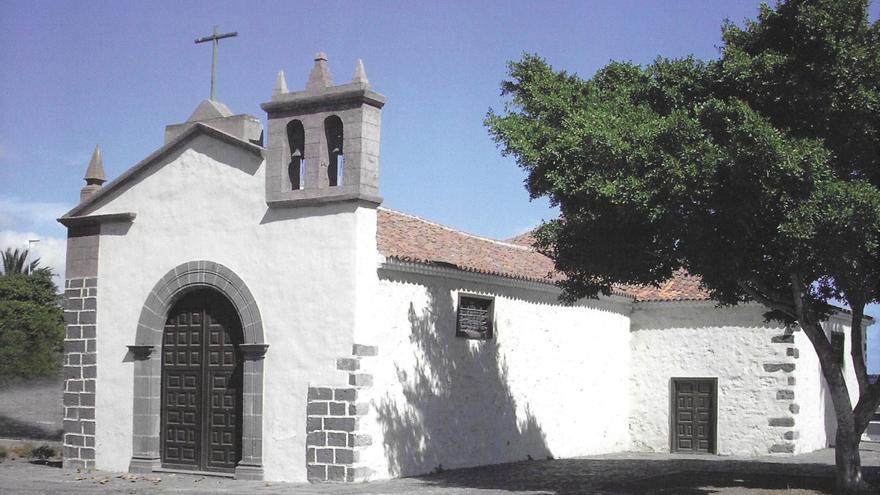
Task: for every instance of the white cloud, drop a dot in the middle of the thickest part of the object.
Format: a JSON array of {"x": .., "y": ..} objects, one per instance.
[
  {"x": 22, "y": 221},
  {"x": 51, "y": 250},
  {"x": 16, "y": 213}
]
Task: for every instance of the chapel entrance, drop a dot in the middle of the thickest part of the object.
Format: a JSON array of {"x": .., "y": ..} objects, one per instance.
[
  {"x": 693, "y": 414},
  {"x": 201, "y": 384}
]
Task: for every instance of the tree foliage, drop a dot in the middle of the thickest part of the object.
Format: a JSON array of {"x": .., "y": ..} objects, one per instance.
[
  {"x": 15, "y": 262},
  {"x": 31, "y": 324},
  {"x": 757, "y": 171}
]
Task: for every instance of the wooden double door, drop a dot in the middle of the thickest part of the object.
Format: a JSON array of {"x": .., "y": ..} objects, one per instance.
[
  {"x": 201, "y": 384},
  {"x": 694, "y": 402}
]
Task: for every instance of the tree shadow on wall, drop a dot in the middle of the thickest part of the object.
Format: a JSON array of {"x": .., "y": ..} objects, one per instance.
[{"x": 457, "y": 408}]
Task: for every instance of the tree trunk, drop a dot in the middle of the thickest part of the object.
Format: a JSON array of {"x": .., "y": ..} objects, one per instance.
[{"x": 849, "y": 463}]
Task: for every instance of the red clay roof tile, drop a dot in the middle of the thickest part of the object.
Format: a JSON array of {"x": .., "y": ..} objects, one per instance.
[{"x": 410, "y": 238}]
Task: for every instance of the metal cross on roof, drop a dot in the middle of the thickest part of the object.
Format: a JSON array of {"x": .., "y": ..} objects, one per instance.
[{"x": 215, "y": 39}]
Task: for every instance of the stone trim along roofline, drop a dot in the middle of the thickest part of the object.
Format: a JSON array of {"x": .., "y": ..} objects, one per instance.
[
  {"x": 148, "y": 365},
  {"x": 88, "y": 220},
  {"x": 402, "y": 266}
]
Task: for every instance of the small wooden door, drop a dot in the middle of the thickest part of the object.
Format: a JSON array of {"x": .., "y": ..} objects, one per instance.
[
  {"x": 693, "y": 414},
  {"x": 201, "y": 384}
]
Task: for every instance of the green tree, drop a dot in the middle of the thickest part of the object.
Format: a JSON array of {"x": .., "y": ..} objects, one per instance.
[
  {"x": 31, "y": 323},
  {"x": 757, "y": 171},
  {"x": 15, "y": 262}
]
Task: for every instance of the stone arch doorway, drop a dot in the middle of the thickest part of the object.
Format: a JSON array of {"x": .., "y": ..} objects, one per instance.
[
  {"x": 192, "y": 278},
  {"x": 201, "y": 384}
]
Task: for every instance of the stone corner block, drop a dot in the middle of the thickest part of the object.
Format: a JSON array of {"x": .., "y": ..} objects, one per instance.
[
  {"x": 345, "y": 394},
  {"x": 785, "y": 394},
  {"x": 357, "y": 474},
  {"x": 320, "y": 393},
  {"x": 359, "y": 440},
  {"x": 348, "y": 364},
  {"x": 359, "y": 409},
  {"x": 782, "y": 448},
  {"x": 785, "y": 367},
  {"x": 316, "y": 473},
  {"x": 336, "y": 474},
  {"x": 364, "y": 350},
  {"x": 341, "y": 424},
  {"x": 786, "y": 422},
  {"x": 360, "y": 380}
]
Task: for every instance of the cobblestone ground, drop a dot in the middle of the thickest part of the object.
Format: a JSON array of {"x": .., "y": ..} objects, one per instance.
[{"x": 625, "y": 473}]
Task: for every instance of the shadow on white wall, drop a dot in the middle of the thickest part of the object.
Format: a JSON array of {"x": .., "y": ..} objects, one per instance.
[{"x": 459, "y": 410}]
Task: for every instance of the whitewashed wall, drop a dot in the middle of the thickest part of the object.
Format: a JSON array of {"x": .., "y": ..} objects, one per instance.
[
  {"x": 553, "y": 380},
  {"x": 818, "y": 418},
  {"x": 697, "y": 340},
  {"x": 300, "y": 265},
  {"x": 811, "y": 397}
]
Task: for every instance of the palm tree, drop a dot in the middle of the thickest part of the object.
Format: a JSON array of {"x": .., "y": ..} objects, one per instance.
[{"x": 15, "y": 262}]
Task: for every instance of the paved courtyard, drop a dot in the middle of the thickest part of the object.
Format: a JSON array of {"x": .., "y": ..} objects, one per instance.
[{"x": 626, "y": 473}]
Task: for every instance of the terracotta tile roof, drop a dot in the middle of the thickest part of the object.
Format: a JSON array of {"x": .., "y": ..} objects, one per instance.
[
  {"x": 524, "y": 239},
  {"x": 681, "y": 287},
  {"x": 410, "y": 238}
]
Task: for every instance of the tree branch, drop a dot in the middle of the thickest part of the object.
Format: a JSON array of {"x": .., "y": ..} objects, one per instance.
[
  {"x": 766, "y": 300},
  {"x": 857, "y": 345},
  {"x": 865, "y": 407},
  {"x": 830, "y": 369}
]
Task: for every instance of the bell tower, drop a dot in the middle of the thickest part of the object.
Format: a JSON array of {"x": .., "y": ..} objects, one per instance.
[{"x": 323, "y": 141}]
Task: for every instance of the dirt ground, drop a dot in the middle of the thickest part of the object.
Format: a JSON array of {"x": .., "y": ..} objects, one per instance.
[
  {"x": 36, "y": 414},
  {"x": 626, "y": 473}
]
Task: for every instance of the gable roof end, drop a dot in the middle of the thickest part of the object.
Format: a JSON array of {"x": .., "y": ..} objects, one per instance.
[{"x": 192, "y": 132}]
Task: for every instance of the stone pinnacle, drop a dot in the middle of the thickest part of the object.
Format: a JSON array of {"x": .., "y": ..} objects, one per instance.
[
  {"x": 280, "y": 84},
  {"x": 360, "y": 75},
  {"x": 320, "y": 77},
  {"x": 95, "y": 172}
]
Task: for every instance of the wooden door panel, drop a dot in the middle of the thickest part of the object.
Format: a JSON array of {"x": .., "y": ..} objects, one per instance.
[
  {"x": 224, "y": 393},
  {"x": 201, "y": 385},
  {"x": 694, "y": 415}
]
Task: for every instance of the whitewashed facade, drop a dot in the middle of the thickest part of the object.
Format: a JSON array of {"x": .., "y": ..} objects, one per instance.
[{"x": 345, "y": 360}]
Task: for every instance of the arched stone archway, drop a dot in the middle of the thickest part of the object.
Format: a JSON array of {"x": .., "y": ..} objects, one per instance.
[{"x": 148, "y": 363}]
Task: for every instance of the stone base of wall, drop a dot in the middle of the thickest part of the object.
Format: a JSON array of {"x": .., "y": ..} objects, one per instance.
[
  {"x": 80, "y": 372},
  {"x": 334, "y": 441}
]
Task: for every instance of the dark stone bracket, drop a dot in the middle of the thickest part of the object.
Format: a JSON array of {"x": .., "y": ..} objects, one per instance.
[{"x": 141, "y": 352}]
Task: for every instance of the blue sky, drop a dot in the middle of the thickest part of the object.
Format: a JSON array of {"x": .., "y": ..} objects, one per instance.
[{"x": 76, "y": 74}]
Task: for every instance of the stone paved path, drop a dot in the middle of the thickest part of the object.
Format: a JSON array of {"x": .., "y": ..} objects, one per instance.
[{"x": 626, "y": 473}]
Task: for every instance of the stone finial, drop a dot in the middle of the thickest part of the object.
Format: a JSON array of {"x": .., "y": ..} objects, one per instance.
[
  {"x": 95, "y": 172},
  {"x": 94, "y": 175},
  {"x": 320, "y": 77},
  {"x": 360, "y": 75},
  {"x": 280, "y": 84}
]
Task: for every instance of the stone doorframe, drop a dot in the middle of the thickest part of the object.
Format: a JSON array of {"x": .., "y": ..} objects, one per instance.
[{"x": 147, "y": 354}]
